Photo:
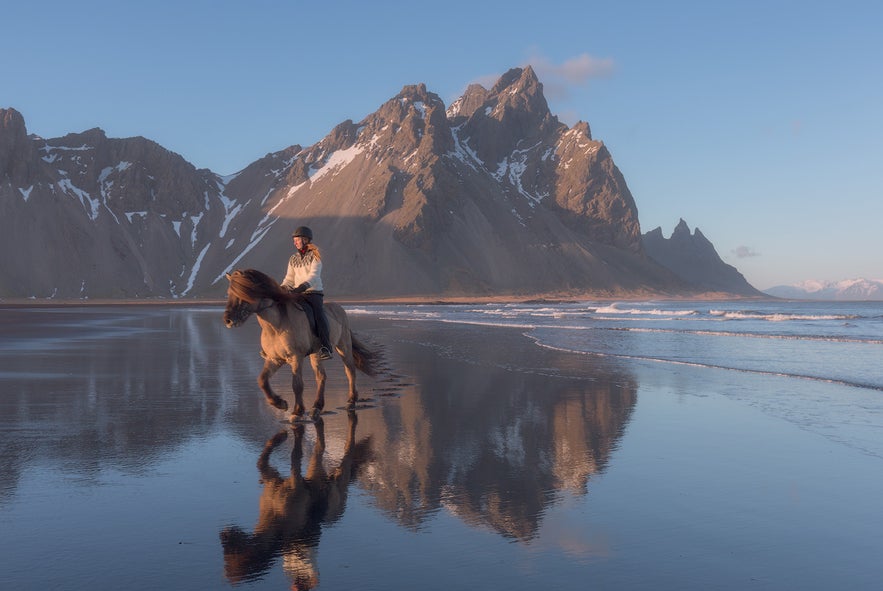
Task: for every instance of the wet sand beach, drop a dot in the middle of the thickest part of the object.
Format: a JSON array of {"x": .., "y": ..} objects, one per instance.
[{"x": 137, "y": 453}]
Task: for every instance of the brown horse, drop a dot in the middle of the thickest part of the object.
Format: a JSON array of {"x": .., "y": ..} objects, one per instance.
[{"x": 286, "y": 337}]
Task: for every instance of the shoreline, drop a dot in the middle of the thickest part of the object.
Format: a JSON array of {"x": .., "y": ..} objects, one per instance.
[{"x": 397, "y": 301}]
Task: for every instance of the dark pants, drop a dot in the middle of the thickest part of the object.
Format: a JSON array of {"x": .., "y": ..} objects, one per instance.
[{"x": 316, "y": 300}]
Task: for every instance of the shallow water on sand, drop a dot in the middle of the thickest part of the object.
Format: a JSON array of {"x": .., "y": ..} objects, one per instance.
[{"x": 136, "y": 452}]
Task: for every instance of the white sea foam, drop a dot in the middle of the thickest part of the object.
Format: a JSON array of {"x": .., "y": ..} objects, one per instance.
[
  {"x": 776, "y": 317},
  {"x": 614, "y": 309}
]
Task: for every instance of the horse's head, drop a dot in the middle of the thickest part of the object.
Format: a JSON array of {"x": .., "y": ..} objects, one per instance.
[
  {"x": 240, "y": 304},
  {"x": 250, "y": 292},
  {"x": 244, "y": 557}
]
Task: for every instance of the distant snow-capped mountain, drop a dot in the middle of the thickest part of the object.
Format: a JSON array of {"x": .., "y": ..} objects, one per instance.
[{"x": 849, "y": 289}]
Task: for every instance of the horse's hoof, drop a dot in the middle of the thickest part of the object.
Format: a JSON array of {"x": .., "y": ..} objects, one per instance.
[{"x": 314, "y": 414}]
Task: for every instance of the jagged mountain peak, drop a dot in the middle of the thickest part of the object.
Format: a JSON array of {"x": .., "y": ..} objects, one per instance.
[
  {"x": 681, "y": 229},
  {"x": 467, "y": 103},
  {"x": 418, "y": 93},
  {"x": 341, "y": 137},
  {"x": 513, "y": 115},
  {"x": 683, "y": 235},
  {"x": 693, "y": 257},
  {"x": 583, "y": 128},
  {"x": 11, "y": 121},
  {"x": 17, "y": 150},
  {"x": 90, "y": 136},
  {"x": 411, "y": 121},
  {"x": 520, "y": 90},
  {"x": 520, "y": 79}
]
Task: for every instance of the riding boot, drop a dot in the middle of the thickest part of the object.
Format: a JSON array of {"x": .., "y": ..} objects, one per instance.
[
  {"x": 322, "y": 329},
  {"x": 316, "y": 300}
]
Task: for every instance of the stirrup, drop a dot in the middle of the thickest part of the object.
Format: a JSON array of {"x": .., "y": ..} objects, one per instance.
[{"x": 325, "y": 353}]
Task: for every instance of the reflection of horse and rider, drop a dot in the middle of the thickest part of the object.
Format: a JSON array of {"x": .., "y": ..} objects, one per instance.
[
  {"x": 287, "y": 314},
  {"x": 294, "y": 509}
]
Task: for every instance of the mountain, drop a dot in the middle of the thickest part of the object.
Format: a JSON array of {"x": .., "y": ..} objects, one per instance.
[
  {"x": 489, "y": 196},
  {"x": 693, "y": 258},
  {"x": 851, "y": 289}
]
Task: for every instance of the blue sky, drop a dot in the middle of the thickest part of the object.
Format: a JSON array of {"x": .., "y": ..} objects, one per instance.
[{"x": 760, "y": 123}]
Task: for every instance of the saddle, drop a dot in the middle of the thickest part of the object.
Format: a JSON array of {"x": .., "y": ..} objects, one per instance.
[{"x": 303, "y": 304}]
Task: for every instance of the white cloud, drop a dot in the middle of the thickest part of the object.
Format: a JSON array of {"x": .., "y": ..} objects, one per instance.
[
  {"x": 577, "y": 70},
  {"x": 558, "y": 79},
  {"x": 744, "y": 252}
]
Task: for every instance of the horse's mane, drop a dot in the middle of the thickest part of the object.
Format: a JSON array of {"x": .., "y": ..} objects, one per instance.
[{"x": 252, "y": 286}]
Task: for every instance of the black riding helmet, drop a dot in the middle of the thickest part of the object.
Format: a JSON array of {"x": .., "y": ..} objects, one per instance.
[{"x": 303, "y": 232}]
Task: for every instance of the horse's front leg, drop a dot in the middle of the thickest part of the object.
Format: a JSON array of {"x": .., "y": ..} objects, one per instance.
[
  {"x": 268, "y": 472},
  {"x": 270, "y": 368},
  {"x": 297, "y": 386},
  {"x": 319, "y": 370}
]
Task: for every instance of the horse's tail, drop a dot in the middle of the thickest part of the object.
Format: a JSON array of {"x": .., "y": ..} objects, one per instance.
[{"x": 367, "y": 360}]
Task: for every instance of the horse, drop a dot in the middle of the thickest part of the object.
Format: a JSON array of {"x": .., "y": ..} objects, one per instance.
[{"x": 286, "y": 337}]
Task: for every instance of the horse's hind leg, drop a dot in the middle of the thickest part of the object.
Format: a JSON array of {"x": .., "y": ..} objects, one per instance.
[
  {"x": 270, "y": 368},
  {"x": 319, "y": 370},
  {"x": 345, "y": 349},
  {"x": 349, "y": 366}
]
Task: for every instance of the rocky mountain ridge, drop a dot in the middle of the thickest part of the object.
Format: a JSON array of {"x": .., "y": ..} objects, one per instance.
[
  {"x": 694, "y": 259},
  {"x": 491, "y": 196}
]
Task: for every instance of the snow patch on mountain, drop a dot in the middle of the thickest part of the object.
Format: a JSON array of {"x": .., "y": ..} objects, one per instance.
[
  {"x": 91, "y": 205},
  {"x": 335, "y": 162},
  {"x": 463, "y": 152}
]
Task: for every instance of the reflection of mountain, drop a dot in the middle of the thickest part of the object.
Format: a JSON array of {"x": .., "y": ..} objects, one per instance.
[
  {"x": 117, "y": 389},
  {"x": 490, "y": 430},
  {"x": 492, "y": 446}
]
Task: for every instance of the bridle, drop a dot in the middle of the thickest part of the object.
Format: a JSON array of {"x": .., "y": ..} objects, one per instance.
[{"x": 240, "y": 311}]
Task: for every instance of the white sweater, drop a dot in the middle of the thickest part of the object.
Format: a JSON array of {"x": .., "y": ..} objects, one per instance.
[{"x": 304, "y": 268}]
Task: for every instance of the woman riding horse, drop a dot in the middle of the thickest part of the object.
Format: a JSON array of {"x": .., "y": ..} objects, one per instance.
[
  {"x": 286, "y": 337},
  {"x": 304, "y": 275}
]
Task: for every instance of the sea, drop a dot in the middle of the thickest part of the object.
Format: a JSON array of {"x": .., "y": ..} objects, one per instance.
[
  {"x": 660, "y": 444},
  {"x": 834, "y": 342},
  {"x": 819, "y": 364}
]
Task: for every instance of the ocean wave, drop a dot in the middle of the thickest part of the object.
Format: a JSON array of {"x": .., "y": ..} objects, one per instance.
[
  {"x": 752, "y": 335},
  {"x": 777, "y": 316},
  {"x": 615, "y": 309},
  {"x": 540, "y": 321},
  {"x": 699, "y": 364}
]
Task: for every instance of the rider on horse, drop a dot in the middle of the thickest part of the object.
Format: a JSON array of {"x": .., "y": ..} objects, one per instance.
[{"x": 304, "y": 276}]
